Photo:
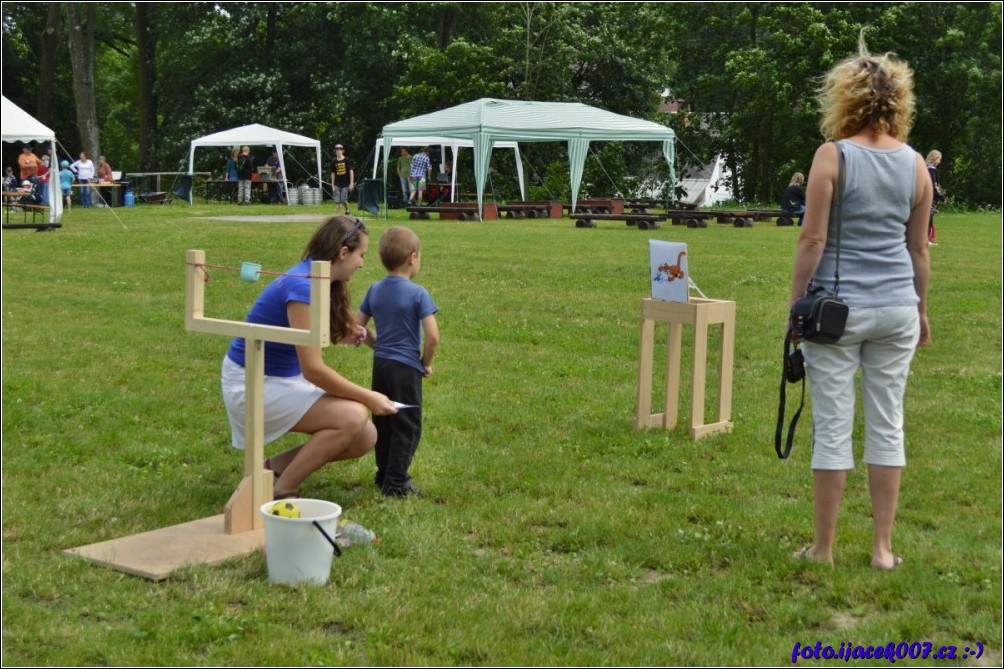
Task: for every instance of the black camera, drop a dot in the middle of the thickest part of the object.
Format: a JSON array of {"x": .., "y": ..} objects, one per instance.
[{"x": 794, "y": 366}]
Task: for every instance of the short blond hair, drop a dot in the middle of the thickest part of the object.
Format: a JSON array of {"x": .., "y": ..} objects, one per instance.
[
  {"x": 867, "y": 92},
  {"x": 933, "y": 156},
  {"x": 797, "y": 179},
  {"x": 396, "y": 245}
]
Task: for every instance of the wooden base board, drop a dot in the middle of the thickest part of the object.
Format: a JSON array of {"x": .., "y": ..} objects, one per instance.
[{"x": 159, "y": 553}]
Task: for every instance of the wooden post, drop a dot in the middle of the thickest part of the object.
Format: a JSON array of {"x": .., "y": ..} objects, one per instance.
[
  {"x": 239, "y": 529},
  {"x": 699, "y": 313}
]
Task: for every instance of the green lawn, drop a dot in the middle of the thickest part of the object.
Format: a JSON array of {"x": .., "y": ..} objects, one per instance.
[{"x": 551, "y": 532}]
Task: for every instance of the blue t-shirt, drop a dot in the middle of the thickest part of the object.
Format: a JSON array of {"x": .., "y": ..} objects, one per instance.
[
  {"x": 65, "y": 179},
  {"x": 397, "y": 305},
  {"x": 270, "y": 309}
]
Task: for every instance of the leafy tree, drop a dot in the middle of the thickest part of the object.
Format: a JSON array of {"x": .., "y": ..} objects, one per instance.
[{"x": 167, "y": 72}]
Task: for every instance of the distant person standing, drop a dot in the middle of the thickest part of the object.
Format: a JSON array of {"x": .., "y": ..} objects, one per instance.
[
  {"x": 66, "y": 183},
  {"x": 84, "y": 169},
  {"x": 793, "y": 200},
  {"x": 343, "y": 178},
  {"x": 232, "y": 165},
  {"x": 421, "y": 168},
  {"x": 245, "y": 169},
  {"x": 933, "y": 160},
  {"x": 274, "y": 192},
  {"x": 104, "y": 170},
  {"x": 28, "y": 163},
  {"x": 404, "y": 172}
]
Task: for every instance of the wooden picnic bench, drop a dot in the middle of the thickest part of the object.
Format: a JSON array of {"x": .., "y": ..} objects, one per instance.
[
  {"x": 614, "y": 206},
  {"x": 36, "y": 210},
  {"x": 643, "y": 221},
  {"x": 641, "y": 205},
  {"x": 456, "y": 211},
  {"x": 542, "y": 209},
  {"x": 689, "y": 217},
  {"x": 784, "y": 218}
]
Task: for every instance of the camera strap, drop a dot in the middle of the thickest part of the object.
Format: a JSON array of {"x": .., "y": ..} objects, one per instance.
[
  {"x": 783, "y": 454},
  {"x": 839, "y": 203}
]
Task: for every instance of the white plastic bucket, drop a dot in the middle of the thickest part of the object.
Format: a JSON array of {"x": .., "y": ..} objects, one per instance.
[{"x": 300, "y": 550}]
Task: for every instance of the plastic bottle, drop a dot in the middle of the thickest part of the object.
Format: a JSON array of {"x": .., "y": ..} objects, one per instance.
[{"x": 353, "y": 534}]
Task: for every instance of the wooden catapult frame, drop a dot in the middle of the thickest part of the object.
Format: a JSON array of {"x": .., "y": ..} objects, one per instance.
[
  {"x": 700, "y": 313},
  {"x": 239, "y": 530}
]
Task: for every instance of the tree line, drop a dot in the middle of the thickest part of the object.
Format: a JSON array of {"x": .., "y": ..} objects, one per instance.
[{"x": 138, "y": 81}]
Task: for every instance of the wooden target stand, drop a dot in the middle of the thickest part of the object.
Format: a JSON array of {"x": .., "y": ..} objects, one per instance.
[
  {"x": 700, "y": 313},
  {"x": 239, "y": 530}
]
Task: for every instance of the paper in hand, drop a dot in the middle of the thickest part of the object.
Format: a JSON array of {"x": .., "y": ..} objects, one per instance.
[{"x": 398, "y": 405}]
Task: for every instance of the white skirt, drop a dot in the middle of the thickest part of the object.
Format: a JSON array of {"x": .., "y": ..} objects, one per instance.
[{"x": 287, "y": 399}]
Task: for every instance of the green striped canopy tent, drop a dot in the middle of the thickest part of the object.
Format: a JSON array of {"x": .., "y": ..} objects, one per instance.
[{"x": 487, "y": 121}]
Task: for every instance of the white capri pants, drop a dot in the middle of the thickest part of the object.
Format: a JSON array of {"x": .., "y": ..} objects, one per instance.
[
  {"x": 286, "y": 399},
  {"x": 881, "y": 342}
]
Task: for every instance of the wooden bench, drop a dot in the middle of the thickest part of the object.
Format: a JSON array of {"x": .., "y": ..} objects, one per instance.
[
  {"x": 455, "y": 211},
  {"x": 543, "y": 209},
  {"x": 643, "y": 221},
  {"x": 36, "y": 210},
  {"x": 689, "y": 217},
  {"x": 641, "y": 205},
  {"x": 614, "y": 206},
  {"x": 784, "y": 218}
]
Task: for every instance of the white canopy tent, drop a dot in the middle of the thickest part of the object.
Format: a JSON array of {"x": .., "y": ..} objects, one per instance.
[
  {"x": 257, "y": 135},
  {"x": 383, "y": 146},
  {"x": 487, "y": 121},
  {"x": 20, "y": 126}
]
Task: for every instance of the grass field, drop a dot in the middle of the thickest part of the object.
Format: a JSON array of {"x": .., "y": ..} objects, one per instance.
[{"x": 551, "y": 532}]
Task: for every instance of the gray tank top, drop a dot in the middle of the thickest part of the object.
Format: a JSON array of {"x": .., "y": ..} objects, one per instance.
[{"x": 875, "y": 265}]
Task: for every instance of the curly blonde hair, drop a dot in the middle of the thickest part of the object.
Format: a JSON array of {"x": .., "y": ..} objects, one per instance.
[{"x": 867, "y": 92}]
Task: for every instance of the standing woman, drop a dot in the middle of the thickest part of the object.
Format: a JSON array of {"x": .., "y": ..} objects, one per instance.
[
  {"x": 867, "y": 104},
  {"x": 232, "y": 164},
  {"x": 84, "y": 169},
  {"x": 933, "y": 160},
  {"x": 302, "y": 393}
]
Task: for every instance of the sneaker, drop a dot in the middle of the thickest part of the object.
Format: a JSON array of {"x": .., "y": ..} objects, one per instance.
[
  {"x": 407, "y": 491},
  {"x": 348, "y": 213}
]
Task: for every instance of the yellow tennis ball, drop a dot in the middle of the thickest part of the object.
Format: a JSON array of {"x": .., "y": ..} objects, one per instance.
[{"x": 285, "y": 509}]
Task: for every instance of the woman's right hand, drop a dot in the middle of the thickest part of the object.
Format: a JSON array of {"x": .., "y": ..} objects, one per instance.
[{"x": 380, "y": 405}]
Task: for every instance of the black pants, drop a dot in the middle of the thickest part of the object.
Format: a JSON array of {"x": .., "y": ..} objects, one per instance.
[{"x": 397, "y": 435}]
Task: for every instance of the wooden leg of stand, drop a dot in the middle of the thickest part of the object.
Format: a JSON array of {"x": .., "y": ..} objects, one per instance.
[
  {"x": 699, "y": 376},
  {"x": 725, "y": 367},
  {"x": 241, "y": 512},
  {"x": 673, "y": 348},
  {"x": 643, "y": 416}
]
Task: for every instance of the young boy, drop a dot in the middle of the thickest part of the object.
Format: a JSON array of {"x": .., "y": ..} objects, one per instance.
[
  {"x": 66, "y": 183},
  {"x": 343, "y": 178},
  {"x": 403, "y": 312}
]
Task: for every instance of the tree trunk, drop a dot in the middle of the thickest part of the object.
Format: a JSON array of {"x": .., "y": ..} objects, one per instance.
[
  {"x": 48, "y": 61},
  {"x": 82, "y": 61},
  {"x": 147, "y": 74}
]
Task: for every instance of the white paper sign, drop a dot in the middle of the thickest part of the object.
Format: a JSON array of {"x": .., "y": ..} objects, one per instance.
[{"x": 668, "y": 270}]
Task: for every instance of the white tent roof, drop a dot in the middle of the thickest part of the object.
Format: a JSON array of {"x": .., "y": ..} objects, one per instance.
[
  {"x": 487, "y": 121},
  {"x": 257, "y": 135},
  {"x": 20, "y": 126},
  {"x": 17, "y": 125},
  {"x": 254, "y": 134}
]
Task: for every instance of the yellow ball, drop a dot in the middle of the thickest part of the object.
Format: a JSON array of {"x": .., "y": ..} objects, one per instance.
[{"x": 285, "y": 509}]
